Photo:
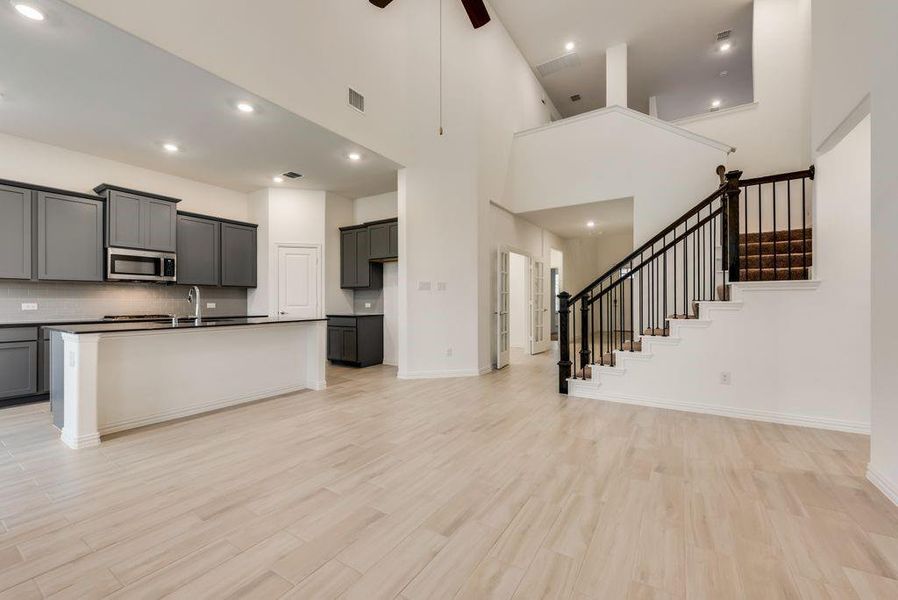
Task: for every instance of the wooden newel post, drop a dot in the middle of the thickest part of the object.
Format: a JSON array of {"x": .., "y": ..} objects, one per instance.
[
  {"x": 731, "y": 218},
  {"x": 564, "y": 343}
]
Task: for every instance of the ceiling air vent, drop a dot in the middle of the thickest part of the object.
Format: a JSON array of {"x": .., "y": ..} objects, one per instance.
[
  {"x": 356, "y": 100},
  {"x": 567, "y": 61},
  {"x": 575, "y": 98},
  {"x": 292, "y": 175},
  {"x": 724, "y": 35}
]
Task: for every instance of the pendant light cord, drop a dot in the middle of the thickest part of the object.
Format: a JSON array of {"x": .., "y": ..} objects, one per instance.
[{"x": 441, "y": 67}]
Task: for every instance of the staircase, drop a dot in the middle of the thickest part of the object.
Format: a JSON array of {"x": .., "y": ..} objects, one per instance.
[
  {"x": 775, "y": 255},
  {"x": 734, "y": 235}
]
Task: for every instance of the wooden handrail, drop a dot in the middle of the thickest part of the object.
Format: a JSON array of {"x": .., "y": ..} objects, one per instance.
[{"x": 807, "y": 173}]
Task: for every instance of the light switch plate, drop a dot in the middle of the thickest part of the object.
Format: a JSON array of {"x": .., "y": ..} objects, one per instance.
[
  {"x": 441, "y": 286},
  {"x": 210, "y": 305},
  {"x": 423, "y": 286},
  {"x": 29, "y": 305},
  {"x": 367, "y": 305}
]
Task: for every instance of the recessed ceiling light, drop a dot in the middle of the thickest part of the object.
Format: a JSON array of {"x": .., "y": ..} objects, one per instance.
[
  {"x": 169, "y": 147},
  {"x": 724, "y": 73},
  {"x": 354, "y": 156},
  {"x": 277, "y": 179},
  {"x": 591, "y": 224},
  {"x": 725, "y": 47},
  {"x": 715, "y": 103},
  {"x": 246, "y": 107},
  {"x": 570, "y": 46},
  {"x": 28, "y": 11}
]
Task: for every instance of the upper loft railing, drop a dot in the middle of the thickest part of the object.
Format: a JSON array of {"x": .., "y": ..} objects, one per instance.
[{"x": 691, "y": 260}]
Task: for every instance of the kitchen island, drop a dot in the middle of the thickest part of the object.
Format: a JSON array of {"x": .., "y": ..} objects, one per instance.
[{"x": 110, "y": 377}]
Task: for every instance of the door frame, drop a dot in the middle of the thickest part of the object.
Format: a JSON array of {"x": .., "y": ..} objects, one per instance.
[
  {"x": 319, "y": 249},
  {"x": 528, "y": 287}
]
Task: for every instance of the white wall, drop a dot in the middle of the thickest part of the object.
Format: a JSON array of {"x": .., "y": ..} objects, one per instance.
[
  {"x": 284, "y": 216},
  {"x": 842, "y": 70},
  {"x": 585, "y": 259},
  {"x": 611, "y": 154},
  {"x": 884, "y": 215},
  {"x": 42, "y": 164},
  {"x": 391, "y": 314},
  {"x": 338, "y": 213},
  {"x": 773, "y": 135},
  {"x": 518, "y": 300},
  {"x": 389, "y": 55},
  {"x": 375, "y": 208}
]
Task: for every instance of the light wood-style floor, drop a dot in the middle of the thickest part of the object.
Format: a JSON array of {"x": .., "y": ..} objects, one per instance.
[{"x": 491, "y": 487}]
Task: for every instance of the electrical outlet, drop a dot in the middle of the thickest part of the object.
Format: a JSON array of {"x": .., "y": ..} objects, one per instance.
[
  {"x": 29, "y": 305},
  {"x": 726, "y": 378},
  {"x": 210, "y": 305},
  {"x": 449, "y": 351},
  {"x": 441, "y": 286},
  {"x": 423, "y": 286},
  {"x": 367, "y": 305}
]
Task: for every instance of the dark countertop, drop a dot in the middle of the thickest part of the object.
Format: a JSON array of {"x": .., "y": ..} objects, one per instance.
[
  {"x": 57, "y": 322},
  {"x": 124, "y": 326},
  {"x": 355, "y": 315}
]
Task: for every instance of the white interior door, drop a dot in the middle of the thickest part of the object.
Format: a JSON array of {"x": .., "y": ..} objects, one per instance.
[
  {"x": 539, "y": 309},
  {"x": 502, "y": 305},
  {"x": 298, "y": 282}
]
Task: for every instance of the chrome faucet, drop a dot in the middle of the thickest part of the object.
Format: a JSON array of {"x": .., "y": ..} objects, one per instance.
[{"x": 194, "y": 296}]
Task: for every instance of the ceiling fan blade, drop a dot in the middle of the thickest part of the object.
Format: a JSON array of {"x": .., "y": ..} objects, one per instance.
[
  {"x": 380, "y": 3},
  {"x": 477, "y": 12}
]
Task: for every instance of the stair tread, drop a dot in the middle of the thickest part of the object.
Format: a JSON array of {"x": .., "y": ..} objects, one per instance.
[{"x": 779, "y": 235}]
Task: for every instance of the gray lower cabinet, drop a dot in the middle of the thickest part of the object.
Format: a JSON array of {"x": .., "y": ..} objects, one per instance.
[
  {"x": 238, "y": 255},
  {"x": 70, "y": 238},
  {"x": 18, "y": 362},
  {"x": 199, "y": 250},
  {"x": 140, "y": 220},
  {"x": 15, "y": 232},
  {"x": 356, "y": 340}
]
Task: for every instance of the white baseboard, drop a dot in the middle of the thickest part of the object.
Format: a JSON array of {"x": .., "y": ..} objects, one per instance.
[
  {"x": 443, "y": 374},
  {"x": 584, "y": 391},
  {"x": 89, "y": 440},
  {"x": 194, "y": 409},
  {"x": 883, "y": 484},
  {"x": 316, "y": 386}
]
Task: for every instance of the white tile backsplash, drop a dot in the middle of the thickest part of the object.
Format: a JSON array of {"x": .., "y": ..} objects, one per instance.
[{"x": 59, "y": 301}]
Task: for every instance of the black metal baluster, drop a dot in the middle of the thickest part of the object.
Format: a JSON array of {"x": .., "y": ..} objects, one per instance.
[
  {"x": 641, "y": 301},
  {"x": 789, "y": 223},
  {"x": 686, "y": 276},
  {"x": 623, "y": 323},
  {"x": 675, "y": 244},
  {"x": 601, "y": 329},
  {"x": 775, "y": 236},
  {"x": 745, "y": 254},
  {"x": 804, "y": 233},
  {"x": 632, "y": 325},
  {"x": 714, "y": 259},
  {"x": 760, "y": 266},
  {"x": 592, "y": 331}
]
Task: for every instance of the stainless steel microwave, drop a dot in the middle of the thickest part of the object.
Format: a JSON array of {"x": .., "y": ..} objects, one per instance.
[{"x": 124, "y": 264}]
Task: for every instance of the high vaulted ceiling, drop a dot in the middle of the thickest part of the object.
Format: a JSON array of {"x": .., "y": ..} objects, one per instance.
[
  {"x": 78, "y": 82},
  {"x": 672, "y": 49}
]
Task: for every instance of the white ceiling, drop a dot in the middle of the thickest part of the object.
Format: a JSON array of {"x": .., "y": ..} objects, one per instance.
[
  {"x": 77, "y": 82},
  {"x": 671, "y": 45},
  {"x": 569, "y": 222}
]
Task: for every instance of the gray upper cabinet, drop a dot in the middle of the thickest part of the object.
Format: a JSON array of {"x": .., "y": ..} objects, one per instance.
[
  {"x": 383, "y": 240},
  {"x": 70, "y": 237},
  {"x": 15, "y": 232},
  {"x": 356, "y": 269},
  {"x": 348, "y": 258},
  {"x": 123, "y": 223},
  {"x": 394, "y": 239},
  {"x": 199, "y": 249},
  {"x": 160, "y": 222},
  {"x": 140, "y": 220},
  {"x": 238, "y": 255}
]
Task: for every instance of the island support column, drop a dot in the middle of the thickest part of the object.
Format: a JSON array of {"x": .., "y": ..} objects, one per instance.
[
  {"x": 80, "y": 429},
  {"x": 315, "y": 362}
]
